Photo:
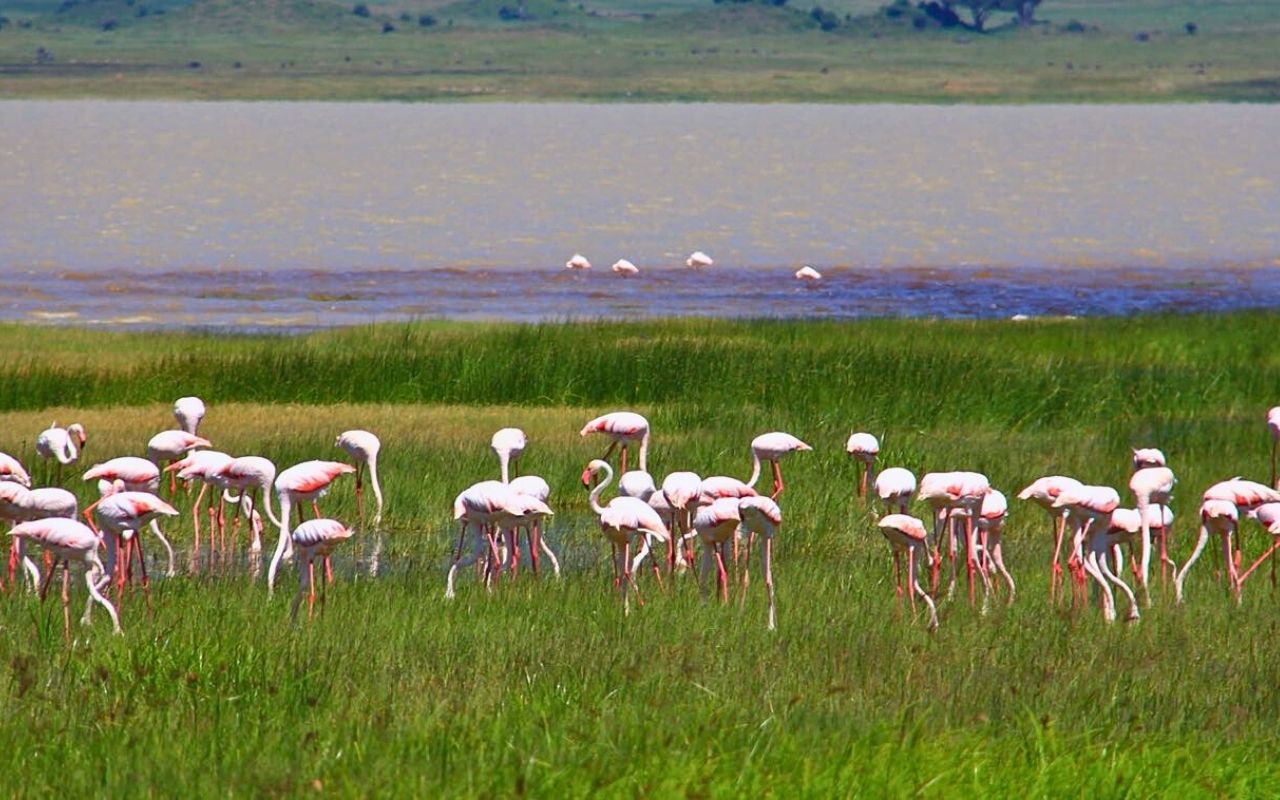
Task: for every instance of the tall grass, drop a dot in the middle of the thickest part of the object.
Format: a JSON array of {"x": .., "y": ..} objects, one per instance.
[{"x": 544, "y": 687}]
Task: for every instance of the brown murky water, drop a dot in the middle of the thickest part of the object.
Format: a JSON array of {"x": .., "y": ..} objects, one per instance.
[{"x": 298, "y": 215}]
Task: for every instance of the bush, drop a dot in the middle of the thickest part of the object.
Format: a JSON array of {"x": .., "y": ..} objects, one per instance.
[
  {"x": 387, "y": 27},
  {"x": 826, "y": 20},
  {"x": 426, "y": 20},
  {"x": 110, "y": 24},
  {"x": 1074, "y": 26},
  {"x": 360, "y": 10},
  {"x": 1191, "y": 28}
]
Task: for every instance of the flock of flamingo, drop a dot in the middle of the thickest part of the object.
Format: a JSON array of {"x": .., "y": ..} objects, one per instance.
[
  {"x": 725, "y": 515},
  {"x": 696, "y": 261}
]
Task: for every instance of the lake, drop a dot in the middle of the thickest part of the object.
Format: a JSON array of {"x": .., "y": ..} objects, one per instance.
[{"x": 298, "y": 215}]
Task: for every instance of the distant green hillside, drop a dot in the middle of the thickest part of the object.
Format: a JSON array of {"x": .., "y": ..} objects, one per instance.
[{"x": 763, "y": 50}]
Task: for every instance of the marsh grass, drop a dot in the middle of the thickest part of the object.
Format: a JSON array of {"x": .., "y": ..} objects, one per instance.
[{"x": 544, "y": 687}]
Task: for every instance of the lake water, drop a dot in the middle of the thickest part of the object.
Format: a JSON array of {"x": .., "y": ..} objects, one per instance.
[{"x": 302, "y": 215}]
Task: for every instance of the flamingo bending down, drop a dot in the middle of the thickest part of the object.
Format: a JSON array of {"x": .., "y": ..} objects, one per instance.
[
  {"x": 863, "y": 448},
  {"x": 188, "y": 412},
  {"x": 625, "y": 428},
  {"x": 521, "y": 511},
  {"x": 204, "y": 466},
  {"x": 625, "y": 268},
  {"x": 167, "y": 447},
  {"x": 311, "y": 539},
  {"x": 1089, "y": 509},
  {"x": 68, "y": 540},
  {"x": 63, "y": 445},
  {"x": 1151, "y": 486},
  {"x": 19, "y": 504},
  {"x": 716, "y": 525},
  {"x": 1245, "y": 495},
  {"x": 906, "y": 534},
  {"x": 680, "y": 491},
  {"x": 991, "y": 519},
  {"x": 1101, "y": 548},
  {"x": 508, "y": 444},
  {"x": 11, "y": 470},
  {"x": 808, "y": 274},
  {"x": 578, "y": 261},
  {"x": 252, "y": 476},
  {"x": 698, "y": 259},
  {"x": 771, "y": 448},
  {"x": 137, "y": 475},
  {"x": 1147, "y": 457},
  {"x": 363, "y": 447},
  {"x": 895, "y": 488},
  {"x": 122, "y": 515},
  {"x": 1043, "y": 492},
  {"x": 308, "y": 480},
  {"x": 1268, "y": 516},
  {"x": 761, "y": 517},
  {"x": 537, "y": 488},
  {"x": 1220, "y": 517},
  {"x": 945, "y": 492},
  {"x": 476, "y": 509},
  {"x": 622, "y": 520}
]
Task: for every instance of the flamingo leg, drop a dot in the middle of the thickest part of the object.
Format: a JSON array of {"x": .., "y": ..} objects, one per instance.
[
  {"x": 297, "y": 597},
  {"x": 311, "y": 588},
  {"x": 195, "y": 523},
  {"x": 142, "y": 568},
  {"x": 777, "y": 479},
  {"x": 722, "y": 577},
  {"x": 622, "y": 470},
  {"x": 457, "y": 561},
  {"x": 1274, "y": 546},
  {"x": 66, "y": 601},
  {"x": 911, "y": 576},
  {"x": 897, "y": 576},
  {"x": 1055, "y": 569},
  {"x": 863, "y": 476},
  {"x": 44, "y": 585},
  {"x": 766, "y": 559}
]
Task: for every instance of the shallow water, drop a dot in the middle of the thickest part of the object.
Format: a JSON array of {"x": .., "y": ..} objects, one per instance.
[{"x": 270, "y": 215}]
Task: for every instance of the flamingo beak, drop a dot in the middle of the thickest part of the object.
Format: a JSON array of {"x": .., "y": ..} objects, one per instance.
[{"x": 586, "y": 478}]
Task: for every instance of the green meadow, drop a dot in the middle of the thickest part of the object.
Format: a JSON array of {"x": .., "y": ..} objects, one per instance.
[
  {"x": 543, "y": 687},
  {"x": 637, "y": 50}
]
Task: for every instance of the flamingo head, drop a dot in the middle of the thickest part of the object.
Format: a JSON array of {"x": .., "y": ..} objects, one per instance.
[
  {"x": 591, "y": 470},
  {"x": 77, "y": 430}
]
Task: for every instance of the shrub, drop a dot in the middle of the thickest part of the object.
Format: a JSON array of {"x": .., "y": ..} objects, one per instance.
[
  {"x": 360, "y": 10},
  {"x": 426, "y": 20}
]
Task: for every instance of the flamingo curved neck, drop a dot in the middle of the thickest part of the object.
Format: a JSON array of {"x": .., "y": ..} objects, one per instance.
[
  {"x": 644, "y": 452},
  {"x": 755, "y": 470},
  {"x": 271, "y": 515},
  {"x": 377, "y": 488},
  {"x": 594, "y": 500},
  {"x": 504, "y": 460}
]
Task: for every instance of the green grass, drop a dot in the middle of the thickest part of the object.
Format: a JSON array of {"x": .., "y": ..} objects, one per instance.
[
  {"x": 544, "y": 687},
  {"x": 632, "y": 50}
]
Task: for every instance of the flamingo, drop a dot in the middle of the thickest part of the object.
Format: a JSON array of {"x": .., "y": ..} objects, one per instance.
[
  {"x": 308, "y": 480},
  {"x": 622, "y": 520},
  {"x": 1273, "y": 425},
  {"x": 625, "y": 268},
  {"x": 578, "y": 261},
  {"x": 1043, "y": 492},
  {"x": 63, "y": 445},
  {"x": 808, "y": 274},
  {"x": 944, "y": 492},
  {"x": 698, "y": 259},
  {"x": 123, "y": 514},
  {"x": 166, "y": 447},
  {"x": 537, "y": 488},
  {"x": 636, "y": 483},
  {"x": 508, "y": 444},
  {"x": 771, "y": 448},
  {"x": 11, "y": 470},
  {"x": 363, "y": 447},
  {"x": 906, "y": 534},
  {"x": 716, "y": 525},
  {"x": 311, "y": 539},
  {"x": 137, "y": 475},
  {"x": 188, "y": 412},
  {"x": 521, "y": 511},
  {"x": 1267, "y": 515},
  {"x": 625, "y": 428},
  {"x": 761, "y": 517},
  {"x": 681, "y": 491},
  {"x": 1089, "y": 508},
  {"x": 253, "y": 477},
  {"x": 1151, "y": 486},
  {"x": 863, "y": 448},
  {"x": 1147, "y": 457},
  {"x": 1101, "y": 547},
  {"x": 895, "y": 487},
  {"x": 1244, "y": 495},
  {"x": 204, "y": 466},
  {"x": 67, "y": 540},
  {"x": 1219, "y": 517},
  {"x": 476, "y": 509},
  {"x": 19, "y": 504},
  {"x": 991, "y": 519}
]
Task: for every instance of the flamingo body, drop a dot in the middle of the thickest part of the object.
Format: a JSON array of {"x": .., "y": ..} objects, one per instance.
[
  {"x": 578, "y": 261},
  {"x": 625, "y": 268},
  {"x": 11, "y": 469}
]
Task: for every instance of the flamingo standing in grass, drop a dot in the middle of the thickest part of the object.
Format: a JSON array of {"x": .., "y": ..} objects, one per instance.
[
  {"x": 363, "y": 447},
  {"x": 63, "y": 445},
  {"x": 906, "y": 534},
  {"x": 771, "y": 448},
  {"x": 716, "y": 525},
  {"x": 945, "y": 492},
  {"x": 537, "y": 488},
  {"x": 624, "y": 519},
  {"x": 168, "y": 447},
  {"x": 1273, "y": 425},
  {"x": 680, "y": 491},
  {"x": 188, "y": 412},
  {"x": 1089, "y": 509},
  {"x": 508, "y": 444},
  {"x": 307, "y": 481},
  {"x": 204, "y": 466},
  {"x": 11, "y": 469},
  {"x": 1245, "y": 495},
  {"x": 19, "y": 504},
  {"x": 1151, "y": 486},
  {"x": 316, "y": 538},
  {"x": 991, "y": 519},
  {"x": 252, "y": 476},
  {"x": 863, "y": 448},
  {"x": 1219, "y": 517},
  {"x": 895, "y": 488},
  {"x": 1044, "y": 492},
  {"x": 137, "y": 475},
  {"x": 625, "y": 428},
  {"x": 1101, "y": 548},
  {"x": 761, "y": 517},
  {"x": 1268, "y": 516},
  {"x": 122, "y": 515},
  {"x": 68, "y": 540},
  {"x": 521, "y": 511},
  {"x": 476, "y": 510}
]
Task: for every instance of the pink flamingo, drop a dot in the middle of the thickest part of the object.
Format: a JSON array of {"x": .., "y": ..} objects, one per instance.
[
  {"x": 680, "y": 491},
  {"x": 636, "y": 483},
  {"x": 991, "y": 519},
  {"x": 68, "y": 540},
  {"x": 204, "y": 466},
  {"x": 1219, "y": 517},
  {"x": 945, "y": 492},
  {"x": 808, "y": 274},
  {"x": 577, "y": 262},
  {"x": 253, "y": 477},
  {"x": 188, "y": 412},
  {"x": 863, "y": 448},
  {"x": 363, "y": 447},
  {"x": 1101, "y": 547},
  {"x": 1089, "y": 508},
  {"x": 476, "y": 509},
  {"x": 625, "y": 428},
  {"x": 621, "y": 521},
  {"x": 167, "y": 447},
  {"x": 771, "y": 448},
  {"x": 307, "y": 481},
  {"x": 1151, "y": 486},
  {"x": 1245, "y": 496},
  {"x": 312, "y": 539},
  {"x": 11, "y": 470},
  {"x": 625, "y": 268},
  {"x": 537, "y": 488},
  {"x": 907, "y": 534},
  {"x": 1273, "y": 425},
  {"x": 123, "y": 514},
  {"x": 63, "y": 445},
  {"x": 716, "y": 525},
  {"x": 1044, "y": 492},
  {"x": 895, "y": 488},
  {"x": 508, "y": 444},
  {"x": 761, "y": 517},
  {"x": 1147, "y": 457},
  {"x": 19, "y": 504},
  {"x": 520, "y": 511},
  {"x": 137, "y": 474},
  {"x": 1268, "y": 516},
  {"x": 698, "y": 259}
]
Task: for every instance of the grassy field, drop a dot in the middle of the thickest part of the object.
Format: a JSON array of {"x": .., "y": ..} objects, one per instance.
[
  {"x": 623, "y": 50},
  {"x": 543, "y": 687}
]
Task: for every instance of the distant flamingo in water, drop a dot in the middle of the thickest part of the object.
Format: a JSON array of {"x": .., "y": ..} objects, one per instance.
[
  {"x": 863, "y": 448},
  {"x": 698, "y": 260},
  {"x": 188, "y": 412},
  {"x": 623, "y": 428},
  {"x": 68, "y": 540},
  {"x": 577, "y": 262},
  {"x": 770, "y": 448},
  {"x": 808, "y": 275},
  {"x": 316, "y": 538},
  {"x": 625, "y": 268}
]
